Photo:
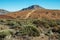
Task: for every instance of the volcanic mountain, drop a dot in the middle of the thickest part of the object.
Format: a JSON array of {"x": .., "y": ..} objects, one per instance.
[
  {"x": 33, "y": 7},
  {"x": 35, "y": 11}
]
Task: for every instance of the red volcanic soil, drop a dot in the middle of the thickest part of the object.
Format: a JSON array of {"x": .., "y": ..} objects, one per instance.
[
  {"x": 19, "y": 14},
  {"x": 5, "y": 17}
]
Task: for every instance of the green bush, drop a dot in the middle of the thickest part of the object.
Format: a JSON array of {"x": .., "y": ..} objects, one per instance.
[
  {"x": 41, "y": 22},
  {"x": 13, "y": 24},
  {"x": 46, "y": 25},
  {"x": 56, "y": 29},
  {"x": 58, "y": 22},
  {"x": 29, "y": 30},
  {"x": 52, "y": 23},
  {"x": 1, "y": 20},
  {"x": 4, "y": 33}
]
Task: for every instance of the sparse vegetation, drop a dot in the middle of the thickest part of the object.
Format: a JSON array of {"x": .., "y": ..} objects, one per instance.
[
  {"x": 28, "y": 30},
  {"x": 30, "y": 27}
]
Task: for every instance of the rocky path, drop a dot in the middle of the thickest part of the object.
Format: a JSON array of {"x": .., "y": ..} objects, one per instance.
[{"x": 29, "y": 14}]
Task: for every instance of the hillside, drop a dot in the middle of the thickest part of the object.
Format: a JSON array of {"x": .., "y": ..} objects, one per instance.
[{"x": 39, "y": 12}]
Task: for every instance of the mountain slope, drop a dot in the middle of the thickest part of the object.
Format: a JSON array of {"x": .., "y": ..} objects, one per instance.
[{"x": 39, "y": 12}]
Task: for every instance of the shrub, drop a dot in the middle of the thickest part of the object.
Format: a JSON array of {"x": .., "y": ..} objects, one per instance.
[
  {"x": 32, "y": 30},
  {"x": 46, "y": 25},
  {"x": 1, "y": 20},
  {"x": 38, "y": 22},
  {"x": 56, "y": 29},
  {"x": 28, "y": 30},
  {"x": 4, "y": 33},
  {"x": 41, "y": 22},
  {"x": 58, "y": 22},
  {"x": 13, "y": 24},
  {"x": 52, "y": 23}
]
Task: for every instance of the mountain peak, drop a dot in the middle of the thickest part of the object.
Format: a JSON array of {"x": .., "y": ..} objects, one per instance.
[{"x": 33, "y": 7}]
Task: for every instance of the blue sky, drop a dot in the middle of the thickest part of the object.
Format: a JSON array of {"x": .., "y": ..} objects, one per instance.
[{"x": 15, "y": 5}]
